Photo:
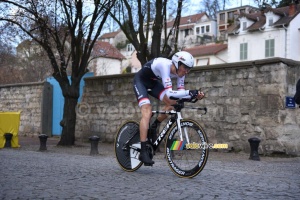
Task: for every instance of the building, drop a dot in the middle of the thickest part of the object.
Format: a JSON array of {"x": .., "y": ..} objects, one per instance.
[
  {"x": 106, "y": 59},
  {"x": 209, "y": 54},
  {"x": 272, "y": 32},
  {"x": 248, "y": 33},
  {"x": 194, "y": 30},
  {"x": 225, "y": 18}
]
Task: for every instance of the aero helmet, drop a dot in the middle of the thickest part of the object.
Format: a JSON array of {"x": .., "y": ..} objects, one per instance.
[{"x": 184, "y": 58}]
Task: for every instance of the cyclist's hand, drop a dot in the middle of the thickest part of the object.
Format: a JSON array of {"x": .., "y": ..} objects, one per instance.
[
  {"x": 193, "y": 93},
  {"x": 200, "y": 95}
]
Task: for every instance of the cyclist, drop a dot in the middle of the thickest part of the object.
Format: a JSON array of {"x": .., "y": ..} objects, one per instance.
[{"x": 148, "y": 78}]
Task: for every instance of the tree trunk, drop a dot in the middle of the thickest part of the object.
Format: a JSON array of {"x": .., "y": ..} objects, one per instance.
[
  {"x": 157, "y": 29},
  {"x": 68, "y": 122}
]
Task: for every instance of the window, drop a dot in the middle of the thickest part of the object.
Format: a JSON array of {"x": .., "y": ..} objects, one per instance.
[
  {"x": 270, "y": 21},
  {"x": 269, "y": 48},
  {"x": 202, "y": 29},
  {"x": 222, "y": 17},
  {"x": 230, "y": 16},
  {"x": 243, "y": 51},
  {"x": 186, "y": 32},
  {"x": 244, "y": 26},
  {"x": 207, "y": 28},
  {"x": 130, "y": 47},
  {"x": 197, "y": 30}
]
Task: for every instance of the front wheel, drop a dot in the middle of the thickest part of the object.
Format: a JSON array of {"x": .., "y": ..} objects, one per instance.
[
  {"x": 187, "y": 155},
  {"x": 127, "y": 146}
]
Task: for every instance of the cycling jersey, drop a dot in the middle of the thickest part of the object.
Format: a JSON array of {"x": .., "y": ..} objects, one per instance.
[{"x": 148, "y": 78}]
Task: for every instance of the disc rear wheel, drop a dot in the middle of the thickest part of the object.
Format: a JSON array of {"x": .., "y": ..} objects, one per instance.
[{"x": 127, "y": 145}]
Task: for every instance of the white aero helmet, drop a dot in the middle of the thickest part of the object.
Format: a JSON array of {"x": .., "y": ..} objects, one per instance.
[{"x": 183, "y": 57}]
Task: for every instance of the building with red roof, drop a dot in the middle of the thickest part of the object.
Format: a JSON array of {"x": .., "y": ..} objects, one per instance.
[
  {"x": 106, "y": 59},
  {"x": 208, "y": 54}
]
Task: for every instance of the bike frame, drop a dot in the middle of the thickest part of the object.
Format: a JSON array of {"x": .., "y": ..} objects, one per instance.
[{"x": 176, "y": 117}]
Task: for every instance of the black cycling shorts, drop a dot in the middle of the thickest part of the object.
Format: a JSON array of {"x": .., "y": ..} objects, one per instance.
[{"x": 145, "y": 80}]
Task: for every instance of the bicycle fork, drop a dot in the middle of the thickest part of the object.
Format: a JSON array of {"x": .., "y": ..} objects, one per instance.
[{"x": 178, "y": 122}]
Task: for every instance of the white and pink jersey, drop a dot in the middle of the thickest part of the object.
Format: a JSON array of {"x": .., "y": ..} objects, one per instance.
[{"x": 161, "y": 67}]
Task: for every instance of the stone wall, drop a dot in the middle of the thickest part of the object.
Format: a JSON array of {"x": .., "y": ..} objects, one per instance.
[
  {"x": 244, "y": 100},
  {"x": 26, "y": 98}
]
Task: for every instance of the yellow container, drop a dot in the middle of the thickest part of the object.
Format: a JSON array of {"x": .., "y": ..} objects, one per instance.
[{"x": 9, "y": 123}]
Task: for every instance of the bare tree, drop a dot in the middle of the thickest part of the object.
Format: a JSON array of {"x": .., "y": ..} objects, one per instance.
[
  {"x": 138, "y": 18},
  {"x": 29, "y": 63},
  {"x": 266, "y": 3},
  {"x": 212, "y": 7},
  {"x": 67, "y": 31},
  {"x": 32, "y": 58},
  {"x": 8, "y": 61}
]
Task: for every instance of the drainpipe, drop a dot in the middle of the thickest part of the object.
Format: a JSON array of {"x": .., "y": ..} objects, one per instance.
[{"x": 285, "y": 39}]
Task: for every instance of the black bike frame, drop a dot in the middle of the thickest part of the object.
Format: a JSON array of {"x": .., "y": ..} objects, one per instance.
[
  {"x": 169, "y": 124},
  {"x": 175, "y": 118}
]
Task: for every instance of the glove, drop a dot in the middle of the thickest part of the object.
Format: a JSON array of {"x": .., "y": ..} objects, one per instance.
[{"x": 193, "y": 93}]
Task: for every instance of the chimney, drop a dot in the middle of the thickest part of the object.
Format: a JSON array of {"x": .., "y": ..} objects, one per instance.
[{"x": 292, "y": 9}]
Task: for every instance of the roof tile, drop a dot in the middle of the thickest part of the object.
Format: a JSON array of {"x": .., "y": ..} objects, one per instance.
[{"x": 204, "y": 50}]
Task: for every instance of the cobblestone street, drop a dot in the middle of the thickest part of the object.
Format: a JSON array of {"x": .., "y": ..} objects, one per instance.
[{"x": 71, "y": 173}]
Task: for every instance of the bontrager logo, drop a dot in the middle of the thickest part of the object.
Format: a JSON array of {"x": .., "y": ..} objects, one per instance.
[{"x": 172, "y": 164}]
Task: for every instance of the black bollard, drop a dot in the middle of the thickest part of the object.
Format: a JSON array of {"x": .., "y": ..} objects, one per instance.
[
  {"x": 94, "y": 144},
  {"x": 43, "y": 141},
  {"x": 8, "y": 137},
  {"x": 254, "y": 143}
]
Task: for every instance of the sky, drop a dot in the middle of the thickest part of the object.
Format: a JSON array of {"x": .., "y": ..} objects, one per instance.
[{"x": 237, "y": 3}]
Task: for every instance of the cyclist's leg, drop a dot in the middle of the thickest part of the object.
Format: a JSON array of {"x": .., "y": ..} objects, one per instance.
[
  {"x": 146, "y": 111},
  {"x": 144, "y": 125},
  {"x": 140, "y": 89},
  {"x": 168, "y": 102},
  {"x": 160, "y": 93}
]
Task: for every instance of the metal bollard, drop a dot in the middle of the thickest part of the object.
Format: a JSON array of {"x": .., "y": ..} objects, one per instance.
[
  {"x": 8, "y": 137},
  {"x": 94, "y": 144},
  {"x": 254, "y": 143},
  {"x": 43, "y": 141}
]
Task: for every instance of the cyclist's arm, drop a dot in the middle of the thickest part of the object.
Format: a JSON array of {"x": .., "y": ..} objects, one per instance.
[
  {"x": 180, "y": 93},
  {"x": 167, "y": 83}
]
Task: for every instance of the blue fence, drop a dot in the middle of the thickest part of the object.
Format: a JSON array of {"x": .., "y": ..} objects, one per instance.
[{"x": 58, "y": 102}]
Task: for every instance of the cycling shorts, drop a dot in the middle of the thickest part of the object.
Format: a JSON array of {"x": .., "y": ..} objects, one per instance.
[{"x": 145, "y": 80}]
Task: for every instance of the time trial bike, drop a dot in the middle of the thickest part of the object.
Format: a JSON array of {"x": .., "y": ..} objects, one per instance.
[{"x": 185, "y": 147}]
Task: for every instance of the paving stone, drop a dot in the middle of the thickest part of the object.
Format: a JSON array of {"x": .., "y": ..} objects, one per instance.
[{"x": 71, "y": 173}]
